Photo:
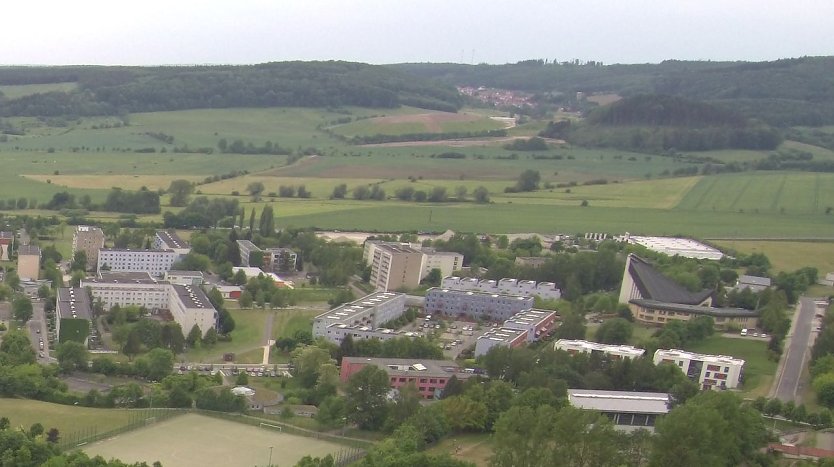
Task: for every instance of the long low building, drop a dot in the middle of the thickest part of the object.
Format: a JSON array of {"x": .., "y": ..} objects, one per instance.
[
  {"x": 522, "y": 328},
  {"x": 506, "y": 286},
  {"x": 362, "y": 319},
  {"x": 627, "y": 410},
  {"x": 475, "y": 304},
  {"x": 154, "y": 262},
  {"x": 428, "y": 376},
  {"x": 660, "y": 313},
  {"x": 500, "y": 337},
  {"x": 609, "y": 350},
  {"x": 709, "y": 371}
]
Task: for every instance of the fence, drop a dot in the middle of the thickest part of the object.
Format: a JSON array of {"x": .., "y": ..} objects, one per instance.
[{"x": 138, "y": 419}]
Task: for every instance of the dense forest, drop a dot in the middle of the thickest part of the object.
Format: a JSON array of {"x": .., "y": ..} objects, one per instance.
[
  {"x": 116, "y": 90},
  {"x": 785, "y": 92}
]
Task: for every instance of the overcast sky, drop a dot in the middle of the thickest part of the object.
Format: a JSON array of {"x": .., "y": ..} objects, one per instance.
[{"x": 149, "y": 32}]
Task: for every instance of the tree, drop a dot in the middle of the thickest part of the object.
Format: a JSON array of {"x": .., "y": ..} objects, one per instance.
[
  {"x": 194, "y": 336},
  {"x": 71, "y": 356},
  {"x": 255, "y": 190},
  {"x": 242, "y": 379},
  {"x": 36, "y": 430},
  {"x": 460, "y": 193},
  {"x": 79, "y": 261},
  {"x": 160, "y": 363},
  {"x": 22, "y": 308},
  {"x": 180, "y": 190},
  {"x": 16, "y": 349},
  {"x": 210, "y": 338},
  {"x": 133, "y": 344},
  {"x": 528, "y": 180},
  {"x": 438, "y": 195},
  {"x": 365, "y": 397},
  {"x": 614, "y": 331},
  {"x": 308, "y": 361},
  {"x": 267, "y": 222},
  {"x": 339, "y": 191},
  {"x": 433, "y": 278},
  {"x": 52, "y": 436},
  {"x": 481, "y": 195}
]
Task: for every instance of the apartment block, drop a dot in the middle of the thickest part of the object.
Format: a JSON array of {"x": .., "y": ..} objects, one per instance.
[
  {"x": 190, "y": 306},
  {"x": 361, "y": 318},
  {"x": 246, "y": 249},
  {"x": 428, "y": 376},
  {"x": 475, "y": 304},
  {"x": 169, "y": 240},
  {"x": 537, "y": 323},
  {"x": 446, "y": 261},
  {"x": 29, "y": 262},
  {"x": 89, "y": 240},
  {"x": 396, "y": 267},
  {"x": 611, "y": 351},
  {"x": 710, "y": 371},
  {"x": 155, "y": 262},
  {"x": 508, "y": 286},
  {"x": 503, "y": 337}
]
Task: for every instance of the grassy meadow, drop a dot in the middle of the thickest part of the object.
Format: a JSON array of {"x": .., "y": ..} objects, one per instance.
[
  {"x": 66, "y": 418},
  {"x": 788, "y": 255}
]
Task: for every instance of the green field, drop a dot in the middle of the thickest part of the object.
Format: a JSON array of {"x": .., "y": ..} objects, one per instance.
[
  {"x": 196, "y": 440},
  {"x": 288, "y": 321},
  {"x": 759, "y": 371},
  {"x": 418, "y": 122},
  {"x": 66, "y": 418},
  {"x": 788, "y": 256},
  {"x": 247, "y": 336}
]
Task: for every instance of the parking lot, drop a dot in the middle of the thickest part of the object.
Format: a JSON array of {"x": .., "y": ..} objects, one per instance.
[{"x": 453, "y": 336}]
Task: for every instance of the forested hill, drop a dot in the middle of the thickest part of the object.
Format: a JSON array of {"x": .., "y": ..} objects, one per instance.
[
  {"x": 113, "y": 90},
  {"x": 783, "y": 92}
]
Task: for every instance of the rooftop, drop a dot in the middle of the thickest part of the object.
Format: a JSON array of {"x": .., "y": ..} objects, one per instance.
[
  {"x": 697, "y": 309},
  {"x": 504, "y": 335},
  {"x": 672, "y": 246},
  {"x": 248, "y": 245},
  {"x": 110, "y": 277},
  {"x": 176, "y": 272},
  {"x": 192, "y": 297},
  {"x": 655, "y": 286},
  {"x": 410, "y": 367},
  {"x": 396, "y": 248},
  {"x": 596, "y": 346},
  {"x": 28, "y": 250},
  {"x": 530, "y": 317},
  {"x": 347, "y": 311},
  {"x": 754, "y": 280},
  {"x": 171, "y": 239},
  {"x": 134, "y": 250},
  {"x": 73, "y": 303},
  {"x": 620, "y": 401},
  {"x": 86, "y": 228},
  {"x": 683, "y": 354}
]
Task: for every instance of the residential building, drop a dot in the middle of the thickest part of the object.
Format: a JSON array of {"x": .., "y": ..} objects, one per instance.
[
  {"x": 169, "y": 240},
  {"x": 754, "y": 283},
  {"x": 396, "y": 267},
  {"x": 361, "y": 318},
  {"x": 29, "y": 262},
  {"x": 508, "y": 286},
  {"x": 246, "y": 248},
  {"x": 627, "y": 410},
  {"x": 537, "y": 323},
  {"x": 475, "y": 304},
  {"x": 446, "y": 262},
  {"x": 611, "y": 351},
  {"x": 184, "y": 277},
  {"x": 280, "y": 260},
  {"x": 673, "y": 246},
  {"x": 6, "y": 245},
  {"x": 428, "y": 376},
  {"x": 89, "y": 240},
  {"x": 155, "y": 262},
  {"x": 502, "y": 337},
  {"x": 709, "y": 371},
  {"x": 73, "y": 315},
  {"x": 190, "y": 306}
]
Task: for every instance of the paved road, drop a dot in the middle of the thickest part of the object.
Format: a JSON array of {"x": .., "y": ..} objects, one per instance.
[
  {"x": 796, "y": 351},
  {"x": 36, "y": 324}
]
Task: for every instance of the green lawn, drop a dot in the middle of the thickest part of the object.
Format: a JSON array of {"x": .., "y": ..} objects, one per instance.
[
  {"x": 66, "y": 418},
  {"x": 247, "y": 336},
  {"x": 759, "y": 371},
  {"x": 288, "y": 321},
  {"x": 475, "y": 448}
]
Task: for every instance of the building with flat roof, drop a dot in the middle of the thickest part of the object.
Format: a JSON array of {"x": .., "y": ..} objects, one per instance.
[
  {"x": 29, "y": 262},
  {"x": 396, "y": 267},
  {"x": 475, "y": 304},
  {"x": 754, "y": 283},
  {"x": 674, "y": 246},
  {"x": 246, "y": 248},
  {"x": 190, "y": 306},
  {"x": 155, "y": 262},
  {"x": 501, "y": 337},
  {"x": 660, "y": 313},
  {"x": 609, "y": 350},
  {"x": 428, "y": 376},
  {"x": 280, "y": 260},
  {"x": 89, "y": 240},
  {"x": 537, "y": 323},
  {"x": 169, "y": 240},
  {"x": 184, "y": 277},
  {"x": 709, "y": 371},
  {"x": 446, "y": 262},
  {"x": 508, "y": 286},
  {"x": 73, "y": 315},
  {"x": 627, "y": 410},
  {"x": 6, "y": 245},
  {"x": 361, "y": 318}
]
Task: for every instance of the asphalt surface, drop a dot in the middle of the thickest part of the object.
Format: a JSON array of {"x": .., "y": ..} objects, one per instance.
[
  {"x": 797, "y": 350},
  {"x": 38, "y": 323}
]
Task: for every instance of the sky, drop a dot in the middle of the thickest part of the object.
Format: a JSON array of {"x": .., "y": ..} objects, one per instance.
[{"x": 153, "y": 32}]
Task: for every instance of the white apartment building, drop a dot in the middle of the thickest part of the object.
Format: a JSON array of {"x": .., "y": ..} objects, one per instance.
[
  {"x": 89, "y": 240},
  {"x": 610, "y": 350},
  {"x": 246, "y": 248},
  {"x": 508, "y": 286},
  {"x": 154, "y": 262},
  {"x": 189, "y": 305},
  {"x": 537, "y": 323},
  {"x": 369, "y": 312},
  {"x": 169, "y": 240},
  {"x": 475, "y": 304},
  {"x": 710, "y": 371},
  {"x": 503, "y": 337},
  {"x": 446, "y": 261}
]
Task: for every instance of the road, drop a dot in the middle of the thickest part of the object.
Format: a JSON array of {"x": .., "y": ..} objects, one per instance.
[
  {"x": 38, "y": 332},
  {"x": 796, "y": 350}
]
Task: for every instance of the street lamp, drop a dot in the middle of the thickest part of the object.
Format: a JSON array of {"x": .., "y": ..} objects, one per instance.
[{"x": 270, "y": 456}]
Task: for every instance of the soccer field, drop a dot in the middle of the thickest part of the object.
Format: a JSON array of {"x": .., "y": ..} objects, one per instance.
[{"x": 196, "y": 441}]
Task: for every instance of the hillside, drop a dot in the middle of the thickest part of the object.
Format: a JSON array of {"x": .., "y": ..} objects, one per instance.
[
  {"x": 119, "y": 90},
  {"x": 783, "y": 92}
]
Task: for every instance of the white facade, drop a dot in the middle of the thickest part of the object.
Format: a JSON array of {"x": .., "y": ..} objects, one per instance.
[
  {"x": 615, "y": 351},
  {"x": 155, "y": 262},
  {"x": 507, "y": 286},
  {"x": 189, "y": 306},
  {"x": 710, "y": 371},
  {"x": 368, "y": 312},
  {"x": 169, "y": 240},
  {"x": 446, "y": 261}
]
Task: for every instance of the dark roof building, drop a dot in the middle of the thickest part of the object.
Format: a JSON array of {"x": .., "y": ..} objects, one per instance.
[
  {"x": 626, "y": 409},
  {"x": 650, "y": 284}
]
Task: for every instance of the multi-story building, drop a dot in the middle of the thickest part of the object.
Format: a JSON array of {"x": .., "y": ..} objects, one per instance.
[
  {"x": 246, "y": 248},
  {"x": 396, "y": 267},
  {"x": 508, "y": 286},
  {"x": 475, "y": 304},
  {"x": 184, "y": 277},
  {"x": 709, "y": 371},
  {"x": 364, "y": 316},
  {"x": 446, "y": 262},
  {"x": 190, "y": 306},
  {"x": 609, "y": 350},
  {"x": 154, "y": 262},
  {"x": 6, "y": 245},
  {"x": 428, "y": 376},
  {"x": 627, "y": 410},
  {"x": 280, "y": 259},
  {"x": 29, "y": 262},
  {"x": 169, "y": 240},
  {"x": 73, "y": 315},
  {"x": 537, "y": 323},
  {"x": 503, "y": 337},
  {"x": 89, "y": 240}
]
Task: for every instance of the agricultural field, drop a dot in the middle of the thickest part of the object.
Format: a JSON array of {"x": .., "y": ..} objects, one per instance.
[
  {"x": 193, "y": 440},
  {"x": 759, "y": 371},
  {"x": 788, "y": 255},
  {"x": 432, "y": 122},
  {"x": 66, "y": 418},
  {"x": 21, "y": 90}
]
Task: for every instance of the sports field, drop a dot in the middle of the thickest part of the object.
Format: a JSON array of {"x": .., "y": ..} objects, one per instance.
[
  {"x": 199, "y": 441},
  {"x": 66, "y": 418}
]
